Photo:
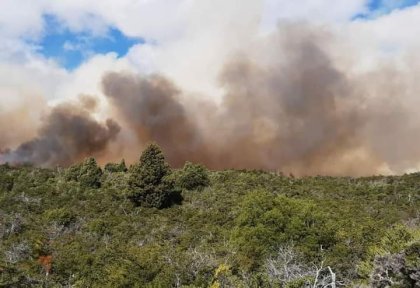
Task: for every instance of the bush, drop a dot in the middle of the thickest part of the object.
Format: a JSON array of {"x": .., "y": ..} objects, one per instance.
[
  {"x": 6, "y": 182},
  {"x": 61, "y": 216},
  {"x": 193, "y": 176},
  {"x": 412, "y": 263},
  {"x": 88, "y": 174},
  {"x": 114, "y": 167}
]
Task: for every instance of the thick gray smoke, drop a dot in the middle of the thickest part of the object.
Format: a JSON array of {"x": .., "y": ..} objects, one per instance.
[
  {"x": 297, "y": 113},
  {"x": 151, "y": 108},
  {"x": 67, "y": 135},
  {"x": 289, "y": 104}
]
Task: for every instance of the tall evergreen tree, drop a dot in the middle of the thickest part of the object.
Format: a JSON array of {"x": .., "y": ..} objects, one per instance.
[{"x": 149, "y": 181}]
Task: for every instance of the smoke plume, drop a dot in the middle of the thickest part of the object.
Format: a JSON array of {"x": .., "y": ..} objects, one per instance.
[
  {"x": 68, "y": 134},
  {"x": 151, "y": 108},
  {"x": 289, "y": 104},
  {"x": 294, "y": 111}
]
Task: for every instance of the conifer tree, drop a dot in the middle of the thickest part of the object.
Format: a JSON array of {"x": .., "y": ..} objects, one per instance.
[{"x": 149, "y": 181}]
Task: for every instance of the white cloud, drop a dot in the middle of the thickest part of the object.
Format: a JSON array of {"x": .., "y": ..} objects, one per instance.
[
  {"x": 189, "y": 40},
  {"x": 320, "y": 11},
  {"x": 396, "y": 30},
  {"x": 213, "y": 30},
  {"x": 21, "y": 18}
]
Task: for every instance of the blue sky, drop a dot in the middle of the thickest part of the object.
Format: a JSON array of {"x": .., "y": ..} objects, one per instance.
[
  {"x": 391, "y": 4},
  {"x": 70, "y": 49},
  {"x": 381, "y": 7}
]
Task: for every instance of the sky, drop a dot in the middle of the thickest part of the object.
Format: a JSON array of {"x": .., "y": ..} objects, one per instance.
[
  {"x": 67, "y": 43},
  {"x": 62, "y": 36},
  {"x": 386, "y": 6},
  {"x": 70, "y": 49},
  {"x": 54, "y": 51},
  {"x": 377, "y": 8}
]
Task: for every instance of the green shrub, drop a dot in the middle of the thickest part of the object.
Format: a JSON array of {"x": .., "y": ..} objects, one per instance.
[
  {"x": 193, "y": 176},
  {"x": 6, "y": 182},
  {"x": 98, "y": 226},
  {"x": 412, "y": 264},
  {"x": 114, "y": 167},
  {"x": 61, "y": 216},
  {"x": 88, "y": 174}
]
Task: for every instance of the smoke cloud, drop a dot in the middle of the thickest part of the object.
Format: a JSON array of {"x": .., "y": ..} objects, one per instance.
[
  {"x": 291, "y": 110},
  {"x": 289, "y": 103},
  {"x": 68, "y": 134},
  {"x": 151, "y": 108}
]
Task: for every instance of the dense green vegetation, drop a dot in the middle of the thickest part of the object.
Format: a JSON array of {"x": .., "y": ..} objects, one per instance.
[{"x": 152, "y": 226}]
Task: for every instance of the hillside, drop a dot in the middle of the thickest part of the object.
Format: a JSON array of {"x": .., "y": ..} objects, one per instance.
[{"x": 89, "y": 227}]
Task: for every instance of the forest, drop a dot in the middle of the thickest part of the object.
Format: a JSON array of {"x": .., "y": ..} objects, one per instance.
[{"x": 150, "y": 225}]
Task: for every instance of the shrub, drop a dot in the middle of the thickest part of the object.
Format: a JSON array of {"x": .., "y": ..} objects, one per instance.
[
  {"x": 114, "y": 167},
  {"x": 6, "y": 182},
  {"x": 61, "y": 216},
  {"x": 193, "y": 176},
  {"x": 88, "y": 174}
]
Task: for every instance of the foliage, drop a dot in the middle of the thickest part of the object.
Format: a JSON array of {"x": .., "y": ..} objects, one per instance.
[
  {"x": 265, "y": 220},
  {"x": 149, "y": 181},
  {"x": 88, "y": 174},
  {"x": 61, "y": 216},
  {"x": 395, "y": 260},
  {"x": 114, "y": 167},
  {"x": 193, "y": 176},
  {"x": 79, "y": 226},
  {"x": 6, "y": 181}
]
